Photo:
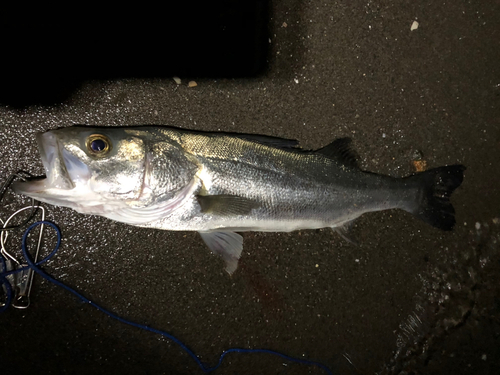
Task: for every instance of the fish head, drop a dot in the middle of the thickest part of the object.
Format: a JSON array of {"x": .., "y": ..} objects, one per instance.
[{"x": 90, "y": 169}]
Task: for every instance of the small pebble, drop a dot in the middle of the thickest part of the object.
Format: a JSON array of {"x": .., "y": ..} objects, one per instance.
[
  {"x": 478, "y": 225},
  {"x": 420, "y": 165},
  {"x": 192, "y": 84},
  {"x": 177, "y": 80},
  {"x": 414, "y": 26},
  {"x": 417, "y": 155}
]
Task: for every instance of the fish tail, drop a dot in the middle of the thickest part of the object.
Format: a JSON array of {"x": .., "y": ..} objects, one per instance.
[{"x": 433, "y": 201}]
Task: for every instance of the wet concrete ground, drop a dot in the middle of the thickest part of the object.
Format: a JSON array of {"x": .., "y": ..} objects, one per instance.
[{"x": 408, "y": 298}]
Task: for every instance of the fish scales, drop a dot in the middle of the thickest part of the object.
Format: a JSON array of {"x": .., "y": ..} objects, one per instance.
[{"x": 287, "y": 184}]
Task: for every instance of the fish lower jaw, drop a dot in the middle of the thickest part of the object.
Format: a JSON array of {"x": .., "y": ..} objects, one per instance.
[
  {"x": 78, "y": 199},
  {"x": 31, "y": 188}
]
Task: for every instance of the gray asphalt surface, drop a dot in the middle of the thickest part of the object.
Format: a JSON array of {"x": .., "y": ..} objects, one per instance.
[{"x": 408, "y": 298}]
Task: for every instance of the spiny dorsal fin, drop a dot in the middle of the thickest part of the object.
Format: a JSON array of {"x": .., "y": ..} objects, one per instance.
[
  {"x": 340, "y": 150},
  {"x": 269, "y": 140},
  {"x": 226, "y": 205}
]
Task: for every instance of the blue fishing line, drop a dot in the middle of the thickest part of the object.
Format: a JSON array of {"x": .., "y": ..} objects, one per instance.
[{"x": 203, "y": 367}]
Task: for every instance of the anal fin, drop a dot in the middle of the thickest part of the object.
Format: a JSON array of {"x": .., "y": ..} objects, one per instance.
[{"x": 344, "y": 232}]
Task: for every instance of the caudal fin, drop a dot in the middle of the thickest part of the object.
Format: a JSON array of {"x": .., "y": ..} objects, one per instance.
[{"x": 436, "y": 186}]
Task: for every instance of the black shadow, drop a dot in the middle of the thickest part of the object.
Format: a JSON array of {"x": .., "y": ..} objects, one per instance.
[{"x": 48, "y": 52}]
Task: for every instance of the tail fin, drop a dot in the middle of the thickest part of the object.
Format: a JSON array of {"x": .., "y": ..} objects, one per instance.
[{"x": 436, "y": 185}]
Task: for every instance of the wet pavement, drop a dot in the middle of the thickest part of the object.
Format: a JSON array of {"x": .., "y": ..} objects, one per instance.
[{"x": 408, "y": 299}]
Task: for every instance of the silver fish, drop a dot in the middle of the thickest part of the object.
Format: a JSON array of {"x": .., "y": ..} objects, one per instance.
[{"x": 219, "y": 184}]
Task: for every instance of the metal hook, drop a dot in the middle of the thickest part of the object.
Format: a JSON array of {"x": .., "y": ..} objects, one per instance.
[
  {"x": 23, "y": 280},
  {"x": 34, "y": 204}
]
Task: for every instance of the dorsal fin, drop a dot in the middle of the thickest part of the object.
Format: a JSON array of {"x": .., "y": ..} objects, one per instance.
[
  {"x": 269, "y": 140},
  {"x": 340, "y": 150}
]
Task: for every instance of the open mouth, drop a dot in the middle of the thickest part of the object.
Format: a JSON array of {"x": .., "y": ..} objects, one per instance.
[
  {"x": 62, "y": 169},
  {"x": 47, "y": 146}
]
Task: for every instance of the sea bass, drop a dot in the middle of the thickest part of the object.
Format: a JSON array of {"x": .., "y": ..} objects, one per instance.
[{"x": 219, "y": 183}]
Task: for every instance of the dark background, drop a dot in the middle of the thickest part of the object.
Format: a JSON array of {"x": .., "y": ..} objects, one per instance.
[
  {"x": 408, "y": 298},
  {"x": 50, "y": 52}
]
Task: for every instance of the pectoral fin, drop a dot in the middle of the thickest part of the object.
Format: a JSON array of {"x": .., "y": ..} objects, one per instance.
[
  {"x": 226, "y": 205},
  {"x": 228, "y": 245}
]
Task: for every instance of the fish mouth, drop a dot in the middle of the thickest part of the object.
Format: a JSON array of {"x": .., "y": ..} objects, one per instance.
[{"x": 63, "y": 170}]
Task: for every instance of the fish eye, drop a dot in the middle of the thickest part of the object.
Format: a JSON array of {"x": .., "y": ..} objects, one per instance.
[{"x": 98, "y": 145}]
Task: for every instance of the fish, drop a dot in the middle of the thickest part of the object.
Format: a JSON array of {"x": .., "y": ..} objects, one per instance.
[{"x": 219, "y": 184}]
